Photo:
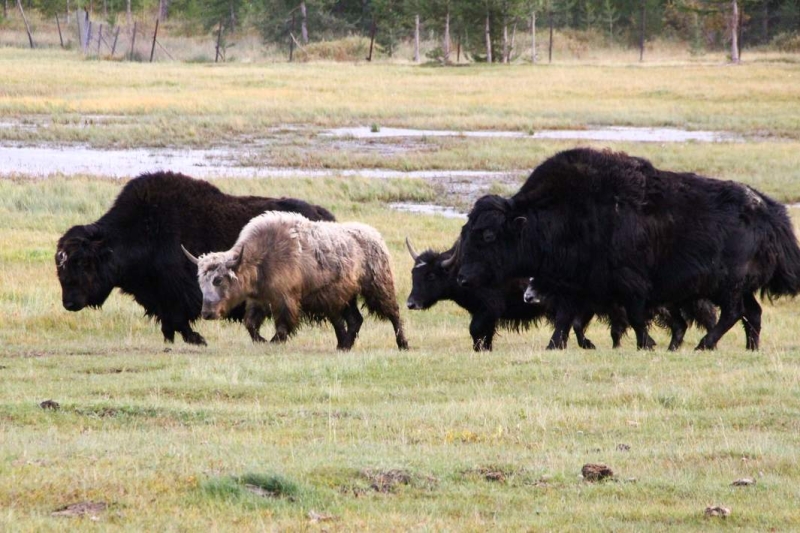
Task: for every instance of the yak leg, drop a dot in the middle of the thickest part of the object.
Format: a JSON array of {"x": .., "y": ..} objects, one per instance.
[
  {"x": 168, "y": 331},
  {"x": 286, "y": 315},
  {"x": 254, "y": 317},
  {"x": 751, "y": 321},
  {"x": 563, "y": 321},
  {"x": 730, "y": 311},
  {"x": 383, "y": 303},
  {"x": 579, "y": 326},
  {"x": 353, "y": 319},
  {"x": 192, "y": 337},
  {"x": 482, "y": 328},
  {"x": 637, "y": 318},
  {"x": 342, "y": 338},
  {"x": 170, "y": 326},
  {"x": 678, "y": 326}
]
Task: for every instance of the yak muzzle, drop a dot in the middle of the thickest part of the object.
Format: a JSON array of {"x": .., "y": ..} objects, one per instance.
[
  {"x": 413, "y": 305},
  {"x": 71, "y": 305}
]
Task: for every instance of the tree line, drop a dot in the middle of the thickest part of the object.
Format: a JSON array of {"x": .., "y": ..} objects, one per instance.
[{"x": 487, "y": 30}]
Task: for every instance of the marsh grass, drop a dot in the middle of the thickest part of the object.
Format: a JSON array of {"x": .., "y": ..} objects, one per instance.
[{"x": 438, "y": 438}]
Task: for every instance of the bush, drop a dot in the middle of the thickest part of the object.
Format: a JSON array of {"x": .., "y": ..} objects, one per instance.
[
  {"x": 787, "y": 42},
  {"x": 347, "y": 49}
]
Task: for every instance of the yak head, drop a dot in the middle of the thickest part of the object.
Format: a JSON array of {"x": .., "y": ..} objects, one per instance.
[
  {"x": 431, "y": 277},
  {"x": 86, "y": 267},
  {"x": 531, "y": 296},
  {"x": 216, "y": 275},
  {"x": 489, "y": 244}
]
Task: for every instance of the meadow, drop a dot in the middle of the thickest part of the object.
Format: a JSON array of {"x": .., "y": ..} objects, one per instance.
[{"x": 301, "y": 437}]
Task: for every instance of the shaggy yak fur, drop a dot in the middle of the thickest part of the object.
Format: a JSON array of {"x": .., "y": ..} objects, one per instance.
[
  {"x": 675, "y": 318},
  {"x": 136, "y": 246},
  {"x": 433, "y": 279},
  {"x": 610, "y": 229},
  {"x": 299, "y": 269}
]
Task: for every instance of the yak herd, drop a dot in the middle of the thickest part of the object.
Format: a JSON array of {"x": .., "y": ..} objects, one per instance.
[{"x": 589, "y": 234}]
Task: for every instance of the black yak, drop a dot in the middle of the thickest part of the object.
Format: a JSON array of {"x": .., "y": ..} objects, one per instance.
[
  {"x": 300, "y": 269},
  {"x": 433, "y": 279},
  {"x": 136, "y": 246},
  {"x": 611, "y": 229}
]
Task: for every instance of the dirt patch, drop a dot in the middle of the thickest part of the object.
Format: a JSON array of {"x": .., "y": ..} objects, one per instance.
[
  {"x": 92, "y": 509},
  {"x": 386, "y": 481}
]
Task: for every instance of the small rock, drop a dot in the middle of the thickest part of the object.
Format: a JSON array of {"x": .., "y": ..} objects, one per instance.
[
  {"x": 623, "y": 447},
  {"x": 81, "y": 509},
  {"x": 744, "y": 482},
  {"x": 722, "y": 512},
  {"x": 50, "y": 404},
  {"x": 596, "y": 472}
]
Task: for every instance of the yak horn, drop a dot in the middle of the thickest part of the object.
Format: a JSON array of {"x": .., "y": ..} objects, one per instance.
[
  {"x": 447, "y": 263},
  {"x": 192, "y": 258},
  {"x": 233, "y": 264},
  {"x": 414, "y": 254}
]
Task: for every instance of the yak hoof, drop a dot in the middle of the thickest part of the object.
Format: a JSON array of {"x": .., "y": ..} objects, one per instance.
[
  {"x": 705, "y": 345},
  {"x": 258, "y": 338},
  {"x": 588, "y": 345},
  {"x": 194, "y": 338}
]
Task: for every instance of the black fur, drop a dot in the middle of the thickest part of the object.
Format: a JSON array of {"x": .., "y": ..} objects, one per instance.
[
  {"x": 611, "y": 229},
  {"x": 488, "y": 306},
  {"x": 136, "y": 246}
]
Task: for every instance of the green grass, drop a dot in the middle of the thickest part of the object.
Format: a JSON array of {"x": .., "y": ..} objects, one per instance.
[{"x": 242, "y": 437}]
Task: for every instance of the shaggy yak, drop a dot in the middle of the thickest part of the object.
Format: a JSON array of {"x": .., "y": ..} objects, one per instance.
[
  {"x": 136, "y": 246},
  {"x": 610, "y": 229},
  {"x": 676, "y": 319},
  {"x": 299, "y": 269},
  {"x": 433, "y": 279}
]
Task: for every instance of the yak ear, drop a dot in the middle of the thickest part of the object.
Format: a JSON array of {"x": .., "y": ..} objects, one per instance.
[
  {"x": 520, "y": 223},
  {"x": 236, "y": 262}
]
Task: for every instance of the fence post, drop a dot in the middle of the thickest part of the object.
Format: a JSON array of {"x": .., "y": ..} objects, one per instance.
[
  {"x": 88, "y": 38},
  {"x": 58, "y": 25},
  {"x": 114, "y": 47},
  {"x": 153, "y": 49},
  {"x": 25, "y": 19},
  {"x": 133, "y": 39},
  {"x": 219, "y": 40},
  {"x": 99, "y": 39}
]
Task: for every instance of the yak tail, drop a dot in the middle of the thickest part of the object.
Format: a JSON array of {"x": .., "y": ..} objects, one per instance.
[{"x": 785, "y": 280}]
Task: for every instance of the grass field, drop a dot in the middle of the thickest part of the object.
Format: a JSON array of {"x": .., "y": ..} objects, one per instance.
[{"x": 300, "y": 437}]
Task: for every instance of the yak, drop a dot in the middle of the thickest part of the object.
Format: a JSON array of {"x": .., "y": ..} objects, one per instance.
[
  {"x": 676, "y": 319},
  {"x": 136, "y": 246},
  {"x": 433, "y": 279},
  {"x": 298, "y": 269},
  {"x": 611, "y": 229}
]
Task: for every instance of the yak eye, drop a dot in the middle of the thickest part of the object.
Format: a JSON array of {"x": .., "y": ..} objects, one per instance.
[
  {"x": 217, "y": 281},
  {"x": 431, "y": 276},
  {"x": 489, "y": 235}
]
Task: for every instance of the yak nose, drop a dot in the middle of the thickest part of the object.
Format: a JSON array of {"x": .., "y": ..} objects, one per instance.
[
  {"x": 208, "y": 315},
  {"x": 462, "y": 280},
  {"x": 412, "y": 304},
  {"x": 69, "y": 305}
]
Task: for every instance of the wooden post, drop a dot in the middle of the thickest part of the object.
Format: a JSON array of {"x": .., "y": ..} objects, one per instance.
[
  {"x": 550, "y": 47},
  {"x": 641, "y": 33},
  {"x": 25, "y": 20},
  {"x": 153, "y": 49},
  {"x": 488, "y": 35},
  {"x": 533, "y": 37},
  {"x": 446, "y": 38},
  {"x": 99, "y": 38},
  {"x": 133, "y": 40},
  {"x": 88, "y": 37},
  {"x": 372, "y": 39},
  {"x": 219, "y": 40},
  {"x": 416, "y": 38},
  {"x": 458, "y": 49},
  {"x": 291, "y": 41},
  {"x": 60, "y": 37},
  {"x": 114, "y": 46},
  {"x": 735, "y": 32}
]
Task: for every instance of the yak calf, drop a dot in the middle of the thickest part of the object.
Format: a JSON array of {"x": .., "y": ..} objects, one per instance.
[{"x": 301, "y": 270}]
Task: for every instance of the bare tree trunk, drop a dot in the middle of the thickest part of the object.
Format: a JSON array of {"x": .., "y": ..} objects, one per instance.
[
  {"x": 513, "y": 41},
  {"x": 416, "y": 38},
  {"x": 641, "y": 33},
  {"x": 550, "y": 47},
  {"x": 233, "y": 16},
  {"x": 6, "y": 2},
  {"x": 734, "y": 31},
  {"x": 446, "y": 39},
  {"x": 533, "y": 37},
  {"x": 303, "y": 22},
  {"x": 163, "y": 9},
  {"x": 488, "y": 32},
  {"x": 5, "y": 9},
  {"x": 128, "y": 14},
  {"x": 25, "y": 20},
  {"x": 105, "y": 9},
  {"x": 765, "y": 22},
  {"x": 504, "y": 59}
]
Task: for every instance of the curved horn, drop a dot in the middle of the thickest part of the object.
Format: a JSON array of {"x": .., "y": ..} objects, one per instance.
[
  {"x": 414, "y": 254},
  {"x": 233, "y": 264},
  {"x": 192, "y": 258},
  {"x": 447, "y": 263}
]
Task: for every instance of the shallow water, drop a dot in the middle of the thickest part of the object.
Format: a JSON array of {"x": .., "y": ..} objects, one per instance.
[
  {"x": 613, "y": 133},
  {"x": 73, "y": 160},
  {"x": 428, "y": 209}
]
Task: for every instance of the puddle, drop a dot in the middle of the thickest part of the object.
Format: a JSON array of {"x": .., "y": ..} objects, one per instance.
[
  {"x": 428, "y": 209},
  {"x": 614, "y": 133},
  {"x": 75, "y": 160}
]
